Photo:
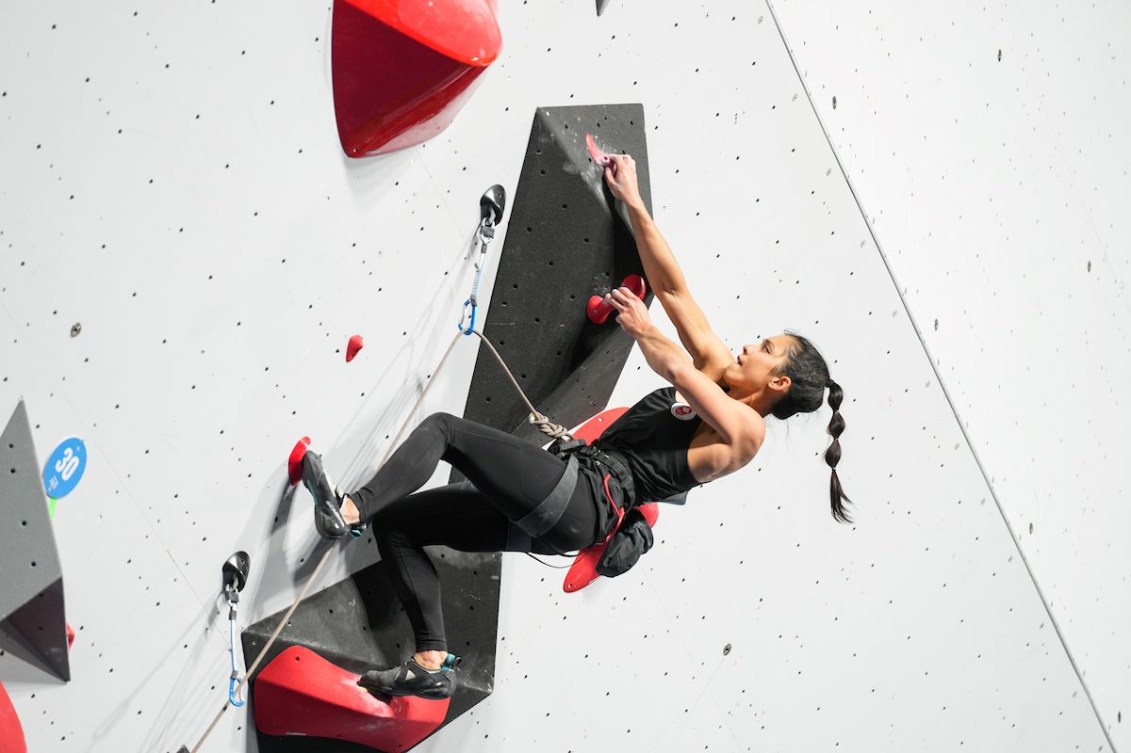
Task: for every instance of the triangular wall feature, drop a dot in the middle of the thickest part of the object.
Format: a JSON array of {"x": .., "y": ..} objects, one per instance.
[{"x": 31, "y": 601}]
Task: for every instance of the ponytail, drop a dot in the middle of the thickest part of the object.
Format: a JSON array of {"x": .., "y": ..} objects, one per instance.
[
  {"x": 809, "y": 377},
  {"x": 832, "y": 454}
]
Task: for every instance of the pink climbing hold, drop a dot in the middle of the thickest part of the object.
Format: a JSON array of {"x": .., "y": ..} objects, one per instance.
[
  {"x": 355, "y": 344},
  {"x": 595, "y": 152},
  {"x": 70, "y": 636}
]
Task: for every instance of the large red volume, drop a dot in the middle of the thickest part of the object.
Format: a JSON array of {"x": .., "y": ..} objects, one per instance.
[
  {"x": 300, "y": 693},
  {"x": 11, "y": 732},
  {"x": 583, "y": 571},
  {"x": 402, "y": 69}
]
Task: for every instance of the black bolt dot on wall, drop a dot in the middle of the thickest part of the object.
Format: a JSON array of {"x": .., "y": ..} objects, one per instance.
[
  {"x": 565, "y": 241},
  {"x": 32, "y": 616}
]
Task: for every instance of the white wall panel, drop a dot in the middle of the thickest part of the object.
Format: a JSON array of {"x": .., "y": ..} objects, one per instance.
[
  {"x": 258, "y": 249},
  {"x": 994, "y": 185}
]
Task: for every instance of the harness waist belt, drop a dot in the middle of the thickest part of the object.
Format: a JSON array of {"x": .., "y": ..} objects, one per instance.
[
  {"x": 616, "y": 468},
  {"x": 549, "y": 511}
]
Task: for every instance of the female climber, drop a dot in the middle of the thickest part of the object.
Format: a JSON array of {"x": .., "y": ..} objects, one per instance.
[{"x": 707, "y": 423}]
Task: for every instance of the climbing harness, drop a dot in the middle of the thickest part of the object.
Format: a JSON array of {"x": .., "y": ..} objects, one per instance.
[{"x": 491, "y": 207}]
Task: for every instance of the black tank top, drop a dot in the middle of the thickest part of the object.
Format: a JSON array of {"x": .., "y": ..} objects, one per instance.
[{"x": 653, "y": 437}]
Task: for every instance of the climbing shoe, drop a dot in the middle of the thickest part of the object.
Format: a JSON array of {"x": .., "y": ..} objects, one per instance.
[
  {"x": 412, "y": 679},
  {"x": 328, "y": 518}
]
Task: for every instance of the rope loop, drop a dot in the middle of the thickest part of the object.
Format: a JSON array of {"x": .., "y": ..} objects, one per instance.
[{"x": 548, "y": 427}]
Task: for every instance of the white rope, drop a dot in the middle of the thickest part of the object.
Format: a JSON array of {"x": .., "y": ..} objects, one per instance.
[{"x": 545, "y": 425}]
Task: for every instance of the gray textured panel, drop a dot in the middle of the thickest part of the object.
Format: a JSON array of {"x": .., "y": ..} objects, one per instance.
[
  {"x": 32, "y": 598},
  {"x": 564, "y": 243},
  {"x": 39, "y": 629},
  {"x": 28, "y": 559}
]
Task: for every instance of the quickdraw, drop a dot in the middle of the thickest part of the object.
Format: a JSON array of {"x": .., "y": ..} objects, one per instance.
[
  {"x": 491, "y": 206},
  {"x": 235, "y": 578}
]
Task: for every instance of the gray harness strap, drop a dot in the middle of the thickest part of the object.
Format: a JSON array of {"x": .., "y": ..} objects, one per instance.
[{"x": 549, "y": 511}]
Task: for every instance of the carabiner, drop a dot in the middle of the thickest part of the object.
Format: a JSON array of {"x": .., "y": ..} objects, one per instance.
[
  {"x": 486, "y": 234},
  {"x": 468, "y": 304},
  {"x": 232, "y": 699}
]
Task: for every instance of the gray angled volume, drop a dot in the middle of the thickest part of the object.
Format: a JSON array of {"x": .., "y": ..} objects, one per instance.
[{"x": 31, "y": 600}]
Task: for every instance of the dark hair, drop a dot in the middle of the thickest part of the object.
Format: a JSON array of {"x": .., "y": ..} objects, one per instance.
[{"x": 809, "y": 376}]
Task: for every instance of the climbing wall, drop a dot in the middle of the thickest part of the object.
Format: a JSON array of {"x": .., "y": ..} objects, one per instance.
[
  {"x": 994, "y": 177},
  {"x": 185, "y": 252}
]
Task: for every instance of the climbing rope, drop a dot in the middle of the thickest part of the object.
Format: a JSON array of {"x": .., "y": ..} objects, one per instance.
[{"x": 544, "y": 424}]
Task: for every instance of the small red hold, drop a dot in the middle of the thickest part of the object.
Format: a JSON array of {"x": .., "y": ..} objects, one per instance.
[
  {"x": 355, "y": 344},
  {"x": 599, "y": 309},
  {"x": 294, "y": 462},
  {"x": 70, "y": 636}
]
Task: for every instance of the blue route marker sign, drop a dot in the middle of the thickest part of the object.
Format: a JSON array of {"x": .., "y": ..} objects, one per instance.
[{"x": 64, "y": 468}]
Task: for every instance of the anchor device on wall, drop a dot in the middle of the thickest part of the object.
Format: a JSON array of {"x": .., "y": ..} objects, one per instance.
[{"x": 235, "y": 572}]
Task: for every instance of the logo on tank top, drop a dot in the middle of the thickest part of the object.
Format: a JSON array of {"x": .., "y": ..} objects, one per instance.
[{"x": 683, "y": 411}]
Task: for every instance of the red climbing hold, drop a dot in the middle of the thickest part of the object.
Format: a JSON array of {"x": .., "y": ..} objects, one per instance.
[
  {"x": 596, "y": 426},
  {"x": 402, "y": 69},
  {"x": 11, "y": 733},
  {"x": 599, "y": 309},
  {"x": 300, "y": 693},
  {"x": 355, "y": 344},
  {"x": 70, "y": 636},
  {"x": 294, "y": 462},
  {"x": 584, "y": 568}
]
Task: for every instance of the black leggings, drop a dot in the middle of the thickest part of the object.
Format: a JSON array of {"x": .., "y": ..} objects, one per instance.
[{"x": 508, "y": 478}]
